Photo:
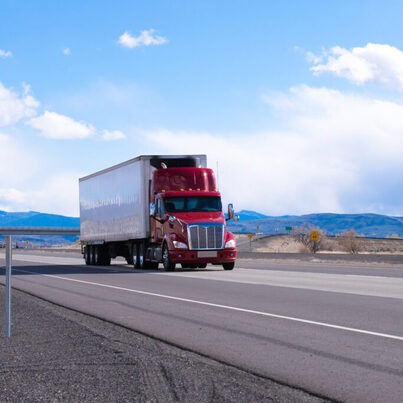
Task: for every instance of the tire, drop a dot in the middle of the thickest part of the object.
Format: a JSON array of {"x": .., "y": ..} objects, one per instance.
[
  {"x": 106, "y": 260},
  {"x": 91, "y": 255},
  {"x": 135, "y": 256},
  {"x": 166, "y": 261},
  {"x": 141, "y": 257},
  {"x": 87, "y": 255},
  {"x": 96, "y": 255},
  {"x": 228, "y": 266},
  {"x": 104, "y": 257},
  {"x": 202, "y": 265}
]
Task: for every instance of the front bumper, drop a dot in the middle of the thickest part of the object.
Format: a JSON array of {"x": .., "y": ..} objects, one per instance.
[{"x": 202, "y": 256}]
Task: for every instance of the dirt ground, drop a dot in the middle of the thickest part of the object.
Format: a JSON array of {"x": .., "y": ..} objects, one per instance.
[{"x": 289, "y": 244}]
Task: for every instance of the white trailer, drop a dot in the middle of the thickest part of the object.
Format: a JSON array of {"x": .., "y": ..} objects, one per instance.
[{"x": 115, "y": 204}]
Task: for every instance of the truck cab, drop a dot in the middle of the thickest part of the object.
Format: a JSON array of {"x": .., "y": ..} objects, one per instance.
[
  {"x": 155, "y": 209},
  {"x": 187, "y": 223}
]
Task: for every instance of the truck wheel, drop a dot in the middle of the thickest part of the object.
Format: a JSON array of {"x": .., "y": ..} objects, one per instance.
[
  {"x": 135, "y": 256},
  {"x": 91, "y": 257},
  {"x": 104, "y": 257},
  {"x": 87, "y": 255},
  {"x": 166, "y": 261},
  {"x": 96, "y": 255},
  {"x": 141, "y": 257},
  {"x": 228, "y": 266},
  {"x": 106, "y": 261}
]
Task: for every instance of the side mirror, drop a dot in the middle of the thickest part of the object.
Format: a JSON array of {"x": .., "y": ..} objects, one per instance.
[
  {"x": 152, "y": 209},
  {"x": 231, "y": 213}
]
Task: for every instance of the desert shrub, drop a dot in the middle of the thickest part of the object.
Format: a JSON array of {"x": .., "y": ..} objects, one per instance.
[
  {"x": 302, "y": 235},
  {"x": 327, "y": 244},
  {"x": 350, "y": 243}
]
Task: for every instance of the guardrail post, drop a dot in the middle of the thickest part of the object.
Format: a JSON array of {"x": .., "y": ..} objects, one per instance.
[
  {"x": 8, "y": 285},
  {"x": 8, "y": 232}
]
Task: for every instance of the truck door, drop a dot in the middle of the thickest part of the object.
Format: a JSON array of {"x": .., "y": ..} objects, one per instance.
[{"x": 157, "y": 224}]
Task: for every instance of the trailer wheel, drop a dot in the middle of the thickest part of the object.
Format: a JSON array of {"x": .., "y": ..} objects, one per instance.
[
  {"x": 87, "y": 255},
  {"x": 96, "y": 255},
  {"x": 141, "y": 257},
  {"x": 135, "y": 255},
  {"x": 91, "y": 254},
  {"x": 166, "y": 261},
  {"x": 106, "y": 261},
  {"x": 104, "y": 257},
  {"x": 228, "y": 266}
]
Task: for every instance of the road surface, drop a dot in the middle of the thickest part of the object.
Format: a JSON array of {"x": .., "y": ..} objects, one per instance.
[{"x": 333, "y": 329}]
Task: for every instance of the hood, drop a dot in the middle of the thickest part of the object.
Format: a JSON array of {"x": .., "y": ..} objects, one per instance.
[{"x": 201, "y": 217}]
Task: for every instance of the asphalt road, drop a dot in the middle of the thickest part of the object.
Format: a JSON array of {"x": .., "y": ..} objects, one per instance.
[{"x": 332, "y": 329}]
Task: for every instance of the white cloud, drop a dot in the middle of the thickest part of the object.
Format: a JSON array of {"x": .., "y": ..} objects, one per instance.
[
  {"x": 57, "y": 195},
  {"x": 11, "y": 198},
  {"x": 18, "y": 167},
  {"x": 14, "y": 107},
  {"x": 374, "y": 63},
  {"x": 335, "y": 152},
  {"x": 17, "y": 164},
  {"x": 146, "y": 38},
  {"x": 66, "y": 51},
  {"x": 5, "y": 53},
  {"x": 111, "y": 135},
  {"x": 55, "y": 126}
]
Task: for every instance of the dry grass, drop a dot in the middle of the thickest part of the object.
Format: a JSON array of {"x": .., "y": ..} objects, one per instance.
[{"x": 288, "y": 244}]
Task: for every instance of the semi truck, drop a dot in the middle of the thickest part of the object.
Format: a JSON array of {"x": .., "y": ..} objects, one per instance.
[{"x": 155, "y": 209}]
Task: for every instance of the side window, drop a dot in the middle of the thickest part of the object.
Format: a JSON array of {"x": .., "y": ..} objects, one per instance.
[{"x": 160, "y": 208}]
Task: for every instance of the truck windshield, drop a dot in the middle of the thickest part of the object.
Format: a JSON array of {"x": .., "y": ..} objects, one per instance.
[{"x": 192, "y": 203}]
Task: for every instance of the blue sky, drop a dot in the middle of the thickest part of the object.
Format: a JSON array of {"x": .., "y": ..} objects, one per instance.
[{"x": 297, "y": 104}]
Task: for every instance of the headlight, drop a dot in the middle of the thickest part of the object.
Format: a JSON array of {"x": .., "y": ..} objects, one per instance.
[
  {"x": 179, "y": 245},
  {"x": 230, "y": 244}
]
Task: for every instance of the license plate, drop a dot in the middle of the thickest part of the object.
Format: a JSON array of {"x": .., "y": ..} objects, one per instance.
[{"x": 207, "y": 253}]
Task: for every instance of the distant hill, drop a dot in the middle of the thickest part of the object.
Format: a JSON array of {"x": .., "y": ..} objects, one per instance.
[
  {"x": 246, "y": 215},
  {"x": 369, "y": 225},
  {"x": 36, "y": 219}
]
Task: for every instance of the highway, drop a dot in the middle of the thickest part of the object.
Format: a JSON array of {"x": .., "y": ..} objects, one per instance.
[{"x": 332, "y": 329}]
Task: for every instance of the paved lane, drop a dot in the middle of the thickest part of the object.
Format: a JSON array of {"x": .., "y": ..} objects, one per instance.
[
  {"x": 379, "y": 286},
  {"x": 337, "y": 335}
]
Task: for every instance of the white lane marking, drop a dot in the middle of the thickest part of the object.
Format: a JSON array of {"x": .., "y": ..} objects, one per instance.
[
  {"x": 49, "y": 259},
  {"x": 231, "y": 308},
  {"x": 385, "y": 287},
  {"x": 378, "y": 286}
]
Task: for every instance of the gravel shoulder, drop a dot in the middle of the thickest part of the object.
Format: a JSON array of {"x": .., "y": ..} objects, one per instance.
[{"x": 55, "y": 354}]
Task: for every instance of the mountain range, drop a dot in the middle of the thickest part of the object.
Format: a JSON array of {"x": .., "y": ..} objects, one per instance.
[
  {"x": 369, "y": 225},
  {"x": 36, "y": 219}
]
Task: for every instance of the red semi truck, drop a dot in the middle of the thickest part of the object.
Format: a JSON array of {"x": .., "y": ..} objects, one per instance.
[{"x": 155, "y": 209}]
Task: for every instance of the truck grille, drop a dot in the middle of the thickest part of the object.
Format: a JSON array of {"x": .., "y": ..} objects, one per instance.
[{"x": 206, "y": 236}]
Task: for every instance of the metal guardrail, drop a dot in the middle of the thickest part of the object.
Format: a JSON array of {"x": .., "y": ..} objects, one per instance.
[
  {"x": 39, "y": 231},
  {"x": 9, "y": 232}
]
